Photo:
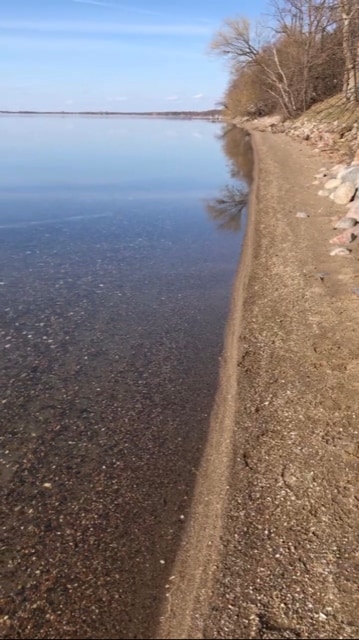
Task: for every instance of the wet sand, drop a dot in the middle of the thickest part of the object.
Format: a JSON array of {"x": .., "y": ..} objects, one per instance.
[{"x": 270, "y": 550}]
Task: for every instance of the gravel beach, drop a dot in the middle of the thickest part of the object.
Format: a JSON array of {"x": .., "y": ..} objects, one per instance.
[{"x": 271, "y": 550}]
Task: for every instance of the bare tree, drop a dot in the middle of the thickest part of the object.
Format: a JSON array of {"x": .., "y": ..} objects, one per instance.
[
  {"x": 236, "y": 42},
  {"x": 310, "y": 50},
  {"x": 305, "y": 23}
]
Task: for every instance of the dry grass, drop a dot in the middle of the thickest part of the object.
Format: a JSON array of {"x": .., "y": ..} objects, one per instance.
[{"x": 334, "y": 111}]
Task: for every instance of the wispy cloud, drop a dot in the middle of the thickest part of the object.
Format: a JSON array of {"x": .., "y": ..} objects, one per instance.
[
  {"x": 198, "y": 96},
  {"x": 108, "y": 28},
  {"x": 98, "y": 3},
  {"x": 59, "y": 44},
  {"x": 118, "y": 99},
  {"x": 112, "y": 5}
]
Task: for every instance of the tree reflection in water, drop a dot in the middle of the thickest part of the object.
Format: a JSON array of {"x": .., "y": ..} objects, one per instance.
[{"x": 227, "y": 209}]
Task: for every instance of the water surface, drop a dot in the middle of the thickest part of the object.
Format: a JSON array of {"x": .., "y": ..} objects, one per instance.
[{"x": 119, "y": 241}]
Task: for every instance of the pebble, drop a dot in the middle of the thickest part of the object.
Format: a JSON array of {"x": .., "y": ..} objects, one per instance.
[
  {"x": 323, "y": 193},
  {"x": 302, "y": 214},
  {"x": 340, "y": 251}
]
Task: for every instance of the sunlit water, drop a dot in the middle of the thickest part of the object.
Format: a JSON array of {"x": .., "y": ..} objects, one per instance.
[{"x": 119, "y": 241}]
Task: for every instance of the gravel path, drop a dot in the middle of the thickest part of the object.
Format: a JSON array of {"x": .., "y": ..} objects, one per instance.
[{"x": 283, "y": 560}]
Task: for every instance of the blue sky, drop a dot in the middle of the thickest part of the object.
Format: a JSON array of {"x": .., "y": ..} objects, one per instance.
[{"x": 113, "y": 54}]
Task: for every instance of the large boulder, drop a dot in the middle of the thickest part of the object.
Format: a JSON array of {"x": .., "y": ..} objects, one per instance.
[
  {"x": 340, "y": 251},
  {"x": 333, "y": 183},
  {"x": 356, "y": 158},
  {"x": 345, "y": 223},
  {"x": 350, "y": 174},
  {"x": 344, "y": 193},
  {"x": 353, "y": 211},
  {"x": 344, "y": 238}
]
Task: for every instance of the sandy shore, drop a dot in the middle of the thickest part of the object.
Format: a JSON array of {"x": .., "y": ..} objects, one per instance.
[{"x": 271, "y": 550}]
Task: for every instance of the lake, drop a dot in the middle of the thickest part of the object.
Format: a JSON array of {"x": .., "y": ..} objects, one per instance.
[{"x": 119, "y": 243}]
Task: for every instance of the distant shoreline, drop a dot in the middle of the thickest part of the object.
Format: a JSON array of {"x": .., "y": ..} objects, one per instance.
[{"x": 212, "y": 114}]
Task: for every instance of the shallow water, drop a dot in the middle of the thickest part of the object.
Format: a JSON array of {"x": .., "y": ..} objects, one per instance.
[{"x": 119, "y": 241}]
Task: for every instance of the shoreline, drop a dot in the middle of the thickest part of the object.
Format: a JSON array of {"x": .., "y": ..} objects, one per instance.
[
  {"x": 186, "y": 604},
  {"x": 270, "y": 550}
]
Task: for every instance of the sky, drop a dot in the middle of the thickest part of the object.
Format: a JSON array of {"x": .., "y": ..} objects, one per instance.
[{"x": 113, "y": 55}]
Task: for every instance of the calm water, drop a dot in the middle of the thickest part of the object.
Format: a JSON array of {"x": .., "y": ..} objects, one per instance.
[{"x": 119, "y": 241}]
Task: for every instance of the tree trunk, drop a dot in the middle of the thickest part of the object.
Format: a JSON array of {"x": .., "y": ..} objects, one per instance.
[{"x": 350, "y": 80}]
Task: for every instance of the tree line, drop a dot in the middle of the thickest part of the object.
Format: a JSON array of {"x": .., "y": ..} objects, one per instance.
[{"x": 306, "y": 52}]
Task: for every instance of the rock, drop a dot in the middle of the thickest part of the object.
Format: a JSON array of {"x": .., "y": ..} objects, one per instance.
[
  {"x": 353, "y": 211},
  {"x": 345, "y": 223},
  {"x": 323, "y": 193},
  {"x": 302, "y": 214},
  {"x": 333, "y": 183},
  {"x": 340, "y": 251},
  {"x": 344, "y": 238},
  {"x": 350, "y": 174},
  {"x": 344, "y": 193},
  {"x": 356, "y": 158}
]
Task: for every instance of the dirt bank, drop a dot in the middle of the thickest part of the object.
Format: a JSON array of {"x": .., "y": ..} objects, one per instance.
[{"x": 275, "y": 518}]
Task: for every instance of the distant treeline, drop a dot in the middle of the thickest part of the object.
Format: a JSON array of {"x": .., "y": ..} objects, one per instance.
[{"x": 210, "y": 113}]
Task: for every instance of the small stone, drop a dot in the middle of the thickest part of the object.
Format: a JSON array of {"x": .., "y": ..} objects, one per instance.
[
  {"x": 337, "y": 169},
  {"x": 301, "y": 214},
  {"x": 345, "y": 223},
  {"x": 340, "y": 251},
  {"x": 323, "y": 193},
  {"x": 322, "y": 616},
  {"x": 47, "y": 485}
]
